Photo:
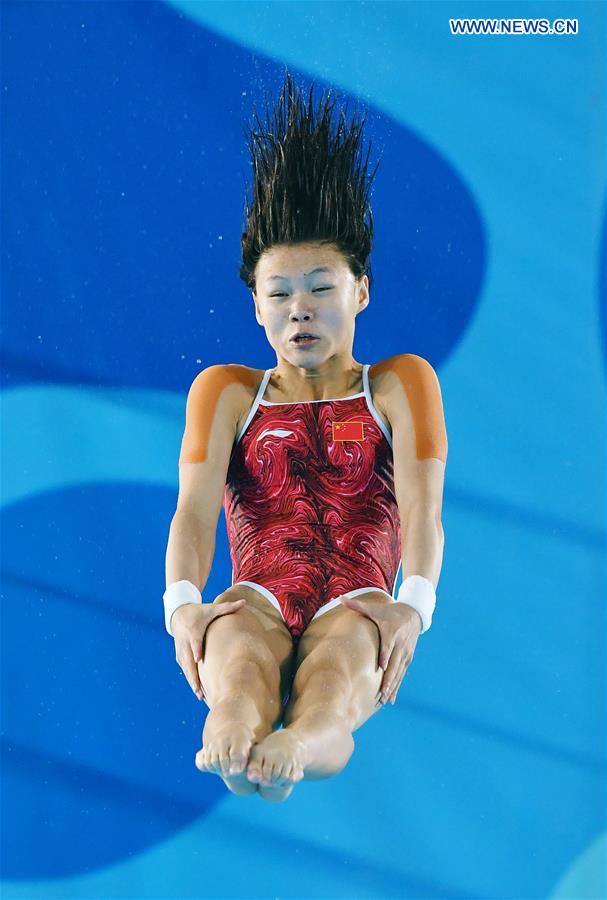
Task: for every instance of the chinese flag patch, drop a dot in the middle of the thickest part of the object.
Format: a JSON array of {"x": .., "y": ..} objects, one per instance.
[{"x": 348, "y": 431}]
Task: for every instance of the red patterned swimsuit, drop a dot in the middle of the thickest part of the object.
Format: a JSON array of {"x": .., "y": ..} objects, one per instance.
[{"x": 309, "y": 503}]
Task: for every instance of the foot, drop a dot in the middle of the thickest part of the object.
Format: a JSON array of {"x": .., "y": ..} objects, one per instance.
[
  {"x": 226, "y": 754},
  {"x": 276, "y": 764}
]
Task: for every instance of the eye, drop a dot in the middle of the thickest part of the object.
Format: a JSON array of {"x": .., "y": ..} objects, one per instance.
[{"x": 326, "y": 288}]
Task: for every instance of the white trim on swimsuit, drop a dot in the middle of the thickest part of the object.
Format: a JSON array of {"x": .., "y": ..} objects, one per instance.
[
  {"x": 327, "y": 606},
  {"x": 255, "y": 404}
]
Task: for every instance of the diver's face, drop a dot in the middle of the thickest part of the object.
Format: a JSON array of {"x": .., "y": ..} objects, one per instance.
[{"x": 308, "y": 287}]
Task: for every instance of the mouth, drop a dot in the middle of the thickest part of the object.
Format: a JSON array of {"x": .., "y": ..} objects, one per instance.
[{"x": 304, "y": 340}]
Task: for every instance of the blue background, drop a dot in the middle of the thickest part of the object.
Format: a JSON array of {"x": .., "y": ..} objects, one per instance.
[{"x": 123, "y": 182}]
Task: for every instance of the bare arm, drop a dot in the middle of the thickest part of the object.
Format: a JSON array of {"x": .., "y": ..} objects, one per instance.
[
  {"x": 409, "y": 394},
  {"x": 190, "y": 548},
  {"x": 211, "y": 423},
  {"x": 210, "y": 429},
  {"x": 413, "y": 403}
]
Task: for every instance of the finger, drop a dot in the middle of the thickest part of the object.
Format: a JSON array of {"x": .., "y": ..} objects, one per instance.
[
  {"x": 196, "y": 647},
  {"x": 391, "y": 670},
  {"x": 393, "y": 690},
  {"x": 386, "y": 649},
  {"x": 190, "y": 670},
  {"x": 230, "y": 606},
  {"x": 356, "y": 605}
]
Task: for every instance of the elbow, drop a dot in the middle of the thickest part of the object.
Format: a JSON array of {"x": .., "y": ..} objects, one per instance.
[{"x": 426, "y": 509}]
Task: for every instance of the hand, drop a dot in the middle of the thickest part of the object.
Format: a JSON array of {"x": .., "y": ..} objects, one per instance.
[
  {"x": 189, "y": 623},
  {"x": 399, "y": 627}
]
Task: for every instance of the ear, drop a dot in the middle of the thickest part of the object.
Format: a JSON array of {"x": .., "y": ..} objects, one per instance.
[
  {"x": 257, "y": 316},
  {"x": 362, "y": 287}
]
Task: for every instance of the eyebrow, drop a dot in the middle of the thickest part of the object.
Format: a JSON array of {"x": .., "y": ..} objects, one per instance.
[{"x": 284, "y": 277}]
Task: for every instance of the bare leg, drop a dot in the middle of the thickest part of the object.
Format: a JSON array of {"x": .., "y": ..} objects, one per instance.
[
  {"x": 316, "y": 741},
  {"x": 243, "y": 712},
  {"x": 248, "y": 655},
  {"x": 324, "y": 728},
  {"x": 335, "y": 690}
]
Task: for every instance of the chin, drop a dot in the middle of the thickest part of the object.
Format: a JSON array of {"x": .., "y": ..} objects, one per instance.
[{"x": 304, "y": 360}]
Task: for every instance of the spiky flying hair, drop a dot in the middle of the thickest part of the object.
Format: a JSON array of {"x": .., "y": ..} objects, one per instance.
[{"x": 309, "y": 182}]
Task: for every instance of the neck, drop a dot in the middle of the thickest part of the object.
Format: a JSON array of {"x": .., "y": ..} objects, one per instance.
[{"x": 331, "y": 379}]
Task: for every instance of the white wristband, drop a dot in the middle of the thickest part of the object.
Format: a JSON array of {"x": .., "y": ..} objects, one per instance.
[
  {"x": 418, "y": 592},
  {"x": 178, "y": 593}
]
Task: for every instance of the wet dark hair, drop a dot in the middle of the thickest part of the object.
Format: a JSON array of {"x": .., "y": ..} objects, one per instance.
[{"x": 309, "y": 182}]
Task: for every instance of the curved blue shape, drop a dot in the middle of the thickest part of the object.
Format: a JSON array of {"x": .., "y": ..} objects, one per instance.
[
  {"x": 128, "y": 255},
  {"x": 90, "y": 723}
]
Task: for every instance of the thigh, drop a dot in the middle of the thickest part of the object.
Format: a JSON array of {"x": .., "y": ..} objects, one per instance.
[
  {"x": 345, "y": 640},
  {"x": 254, "y": 633}
]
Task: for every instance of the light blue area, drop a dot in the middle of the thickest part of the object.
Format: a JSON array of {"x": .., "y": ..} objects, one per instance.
[
  {"x": 55, "y": 436},
  {"x": 494, "y": 758},
  {"x": 586, "y": 876}
]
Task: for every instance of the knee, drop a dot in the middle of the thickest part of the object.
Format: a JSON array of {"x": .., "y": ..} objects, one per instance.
[
  {"x": 345, "y": 652},
  {"x": 249, "y": 664},
  {"x": 244, "y": 678},
  {"x": 250, "y": 670},
  {"x": 355, "y": 640},
  {"x": 341, "y": 672},
  {"x": 249, "y": 648},
  {"x": 233, "y": 637},
  {"x": 324, "y": 678}
]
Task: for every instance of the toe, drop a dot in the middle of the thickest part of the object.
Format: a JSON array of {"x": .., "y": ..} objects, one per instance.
[
  {"x": 271, "y": 773},
  {"x": 238, "y": 762},
  {"x": 254, "y": 766},
  {"x": 203, "y": 761}
]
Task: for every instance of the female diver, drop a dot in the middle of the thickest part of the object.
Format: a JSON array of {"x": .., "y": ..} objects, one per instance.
[{"x": 329, "y": 472}]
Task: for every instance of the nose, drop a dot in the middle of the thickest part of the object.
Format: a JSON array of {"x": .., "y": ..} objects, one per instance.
[{"x": 300, "y": 315}]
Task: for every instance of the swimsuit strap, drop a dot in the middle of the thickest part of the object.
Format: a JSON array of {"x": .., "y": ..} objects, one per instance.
[
  {"x": 366, "y": 387},
  {"x": 262, "y": 387},
  {"x": 254, "y": 406},
  {"x": 370, "y": 404}
]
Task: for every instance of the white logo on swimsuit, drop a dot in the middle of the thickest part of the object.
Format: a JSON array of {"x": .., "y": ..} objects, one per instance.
[{"x": 279, "y": 432}]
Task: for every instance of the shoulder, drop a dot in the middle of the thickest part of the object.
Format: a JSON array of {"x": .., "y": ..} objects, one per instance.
[
  {"x": 220, "y": 375},
  {"x": 409, "y": 364},
  {"x": 402, "y": 372},
  {"x": 409, "y": 394},
  {"x": 234, "y": 383}
]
